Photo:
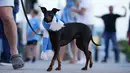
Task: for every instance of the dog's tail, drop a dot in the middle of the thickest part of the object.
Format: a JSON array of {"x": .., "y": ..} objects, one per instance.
[{"x": 94, "y": 42}]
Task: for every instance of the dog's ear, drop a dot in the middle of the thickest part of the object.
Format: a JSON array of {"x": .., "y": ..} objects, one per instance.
[
  {"x": 43, "y": 9},
  {"x": 54, "y": 10}
]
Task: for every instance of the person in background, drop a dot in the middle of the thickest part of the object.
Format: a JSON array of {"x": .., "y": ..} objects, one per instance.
[
  {"x": 128, "y": 32},
  {"x": 83, "y": 8},
  {"x": 46, "y": 45},
  {"x": 110, "y": 32},
  {"x": 32, "y": 38},
  {"x": 66, "y": 17}
]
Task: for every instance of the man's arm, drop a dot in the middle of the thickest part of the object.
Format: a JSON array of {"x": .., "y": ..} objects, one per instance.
[
  {"x": 125, "y": 11},
  {"x": 98, "y": 16}
]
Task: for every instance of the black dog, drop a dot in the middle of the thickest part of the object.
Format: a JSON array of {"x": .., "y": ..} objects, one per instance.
[{"x": 64, "y": 34}]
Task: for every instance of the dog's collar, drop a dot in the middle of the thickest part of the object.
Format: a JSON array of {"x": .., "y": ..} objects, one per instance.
[{"x": 55, "y": 25}]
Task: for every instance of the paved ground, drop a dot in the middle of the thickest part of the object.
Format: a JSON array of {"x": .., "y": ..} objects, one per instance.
[{"x": 41, "y": 66}]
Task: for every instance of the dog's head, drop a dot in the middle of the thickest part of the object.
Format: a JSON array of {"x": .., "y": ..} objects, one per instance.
[{"x": 49, "y": 14}]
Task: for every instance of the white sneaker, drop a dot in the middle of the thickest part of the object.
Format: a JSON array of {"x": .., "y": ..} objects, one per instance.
[
  {"x": 44, "y": 56},
  {"x": 82, "y": 61}
]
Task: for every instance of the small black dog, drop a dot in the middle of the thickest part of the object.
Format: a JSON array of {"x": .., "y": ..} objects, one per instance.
[{"x": 63, "y": 34}]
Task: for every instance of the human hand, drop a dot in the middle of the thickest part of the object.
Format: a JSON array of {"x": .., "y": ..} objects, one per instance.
[{"x": 32, "y": 35}]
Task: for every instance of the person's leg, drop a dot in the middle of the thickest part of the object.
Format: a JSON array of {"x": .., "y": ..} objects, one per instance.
[
  {"x": 115, "y": 47},
  {"x": 27, "y": 53},
  {"x": 34, "y": 50},
  {"x": 11, "y": 34},
  {"x": 45, "y": 43},
  {"x": 6, "y": 49},
  {"x": 9, "y": 28},
  {"x": 75, "y": 51},
  {"x": 106, "y": 39},
  {"x": 62, "y": 52}
]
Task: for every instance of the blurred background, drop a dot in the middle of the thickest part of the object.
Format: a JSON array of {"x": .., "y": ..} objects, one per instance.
[{"x": 96, "y": 8}]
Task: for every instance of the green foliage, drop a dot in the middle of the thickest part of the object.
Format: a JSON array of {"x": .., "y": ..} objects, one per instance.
[{"x": 125, "y": 48}]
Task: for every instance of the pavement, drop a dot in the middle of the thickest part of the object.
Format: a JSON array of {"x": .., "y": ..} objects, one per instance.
[{"x": 41, "y": 66}]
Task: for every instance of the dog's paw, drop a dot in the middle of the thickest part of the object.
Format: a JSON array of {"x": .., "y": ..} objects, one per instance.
[
  {"x": 49, "y": 69},
  {"x": 58, "y": 69},
  {"x": 84, "y": 68},
  {"x": 90, "y": 65}
]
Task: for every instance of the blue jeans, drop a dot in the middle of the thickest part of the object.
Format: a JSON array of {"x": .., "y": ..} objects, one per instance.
[
  {"x": 5, "y": 55},
  {"x": 46, "y": 44},
  {"x": 107, "y": 37}
]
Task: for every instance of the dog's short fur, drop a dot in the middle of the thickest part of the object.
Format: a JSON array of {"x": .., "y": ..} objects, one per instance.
[{"x": 65, "y": 35}]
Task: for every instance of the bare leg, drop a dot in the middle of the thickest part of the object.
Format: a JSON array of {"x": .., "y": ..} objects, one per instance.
[
  {"x": 9, "y": 28},
  {"x": 62, "y": 52},
  {"x": 74, "y": 47},
  {"x": 11, "y": 34},
  {"x": 34, "y": 50},
  {"x": 28, "y": 49}
]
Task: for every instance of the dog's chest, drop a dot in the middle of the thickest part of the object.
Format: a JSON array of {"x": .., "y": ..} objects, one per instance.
[{"x": 55, "y": 25}]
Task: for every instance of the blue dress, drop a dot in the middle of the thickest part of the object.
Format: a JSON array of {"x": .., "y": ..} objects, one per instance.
[{"x": 67, "y": 12}]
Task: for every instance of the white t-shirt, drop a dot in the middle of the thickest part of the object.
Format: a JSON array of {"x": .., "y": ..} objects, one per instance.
[
  {"x": 88, "y": 17},
  {"x": 6, "y": 3}
]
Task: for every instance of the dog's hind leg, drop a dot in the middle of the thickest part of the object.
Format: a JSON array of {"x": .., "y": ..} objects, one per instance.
[
  {"x": 91, "y": 61},
  {"x": 87, "y": 55},
  {"x": 59, "y": 63}
]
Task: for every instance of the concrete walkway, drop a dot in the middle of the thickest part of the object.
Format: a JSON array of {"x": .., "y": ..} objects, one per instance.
[{"x": 41, "y": 66}]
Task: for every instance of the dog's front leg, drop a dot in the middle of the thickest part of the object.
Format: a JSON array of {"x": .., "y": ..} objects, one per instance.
[
  {"x": 59, "y": 63},
  {"x": 52, "y": 62},
  {"x": 56, "y": 51}
]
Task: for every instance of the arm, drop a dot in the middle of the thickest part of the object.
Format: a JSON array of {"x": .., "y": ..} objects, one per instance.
[
  {"x": 125, "y": 12},
  {"x": 75, "y": 10},
  {"x": 98, "y": 16},
  {"x": 81, "y": 11},
  {"x": 38, "y": 30}
]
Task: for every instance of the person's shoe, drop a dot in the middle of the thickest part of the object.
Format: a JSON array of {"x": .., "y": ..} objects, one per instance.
[
  {"x": 116, "y": 61},
  {"x": 104, "y": 61},
  {"x": 33, "y": 60},
  {"x": 27, "y": 60},
  {"x": 17, "y": 62}
]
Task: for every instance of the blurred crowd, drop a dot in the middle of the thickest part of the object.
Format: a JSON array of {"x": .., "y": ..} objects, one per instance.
[{"x": 74, "y": 11}]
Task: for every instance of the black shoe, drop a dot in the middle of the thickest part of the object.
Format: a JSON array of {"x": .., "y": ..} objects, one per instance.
[
  {"x": 116, "y": 61},
  {"x": 33, "y": 60},
  {"x": 27, "y": 60},
  {"x": 104, "y": 61}
]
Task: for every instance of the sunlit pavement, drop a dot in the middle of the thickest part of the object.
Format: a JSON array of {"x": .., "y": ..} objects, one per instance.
[{"x": 41, "y": 66}]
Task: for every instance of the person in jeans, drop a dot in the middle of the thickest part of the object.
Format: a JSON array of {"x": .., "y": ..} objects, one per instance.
[
  {"x": 10, "y": 30},
  {"x": 110, "y": 32}
]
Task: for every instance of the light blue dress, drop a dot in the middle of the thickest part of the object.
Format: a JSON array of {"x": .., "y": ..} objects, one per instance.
[
  {"x": 35, "y": 23},
  {"x": 67, "y": 12}
]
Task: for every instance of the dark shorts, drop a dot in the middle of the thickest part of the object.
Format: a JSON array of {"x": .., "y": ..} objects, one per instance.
[{"x": 33, "y": 42}]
